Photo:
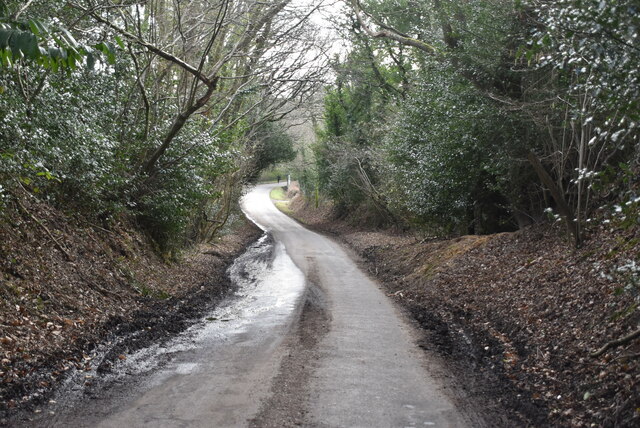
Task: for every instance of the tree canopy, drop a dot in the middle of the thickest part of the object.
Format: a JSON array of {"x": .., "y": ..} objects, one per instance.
[
  {"x": 160, "y": 109},
  {"x": 454, "y": 117},
  {"x": 483, "y": 116}
]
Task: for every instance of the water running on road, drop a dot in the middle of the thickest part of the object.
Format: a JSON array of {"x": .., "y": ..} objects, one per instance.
[{"x": 221, "y": 348}]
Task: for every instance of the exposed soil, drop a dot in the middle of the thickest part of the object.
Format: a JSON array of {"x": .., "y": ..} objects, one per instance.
[
  {"x": 516, "y": 315},
  {"x": 67, "y": 286},
  {"x": 288, "y": 404}
]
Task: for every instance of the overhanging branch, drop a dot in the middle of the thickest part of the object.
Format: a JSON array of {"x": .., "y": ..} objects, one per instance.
[
  {"x": 390, "y": 33},
  {"x": 150, "y": 47}
]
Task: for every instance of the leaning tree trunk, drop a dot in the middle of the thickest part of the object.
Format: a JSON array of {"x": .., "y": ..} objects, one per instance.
[{"x": 178, "y": 123}]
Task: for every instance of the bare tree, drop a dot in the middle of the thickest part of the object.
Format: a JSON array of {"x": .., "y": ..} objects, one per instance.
[{"x": 218, "y": 39}]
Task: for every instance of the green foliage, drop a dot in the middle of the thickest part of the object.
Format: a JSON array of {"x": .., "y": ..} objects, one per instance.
[
  {"x": 57, "y": 135},
  {"x": 273, "y": 146},
  {"x": 410, "y": 137},
  {"x": 597, "y": 41},
  {"x": 594, "y": 49},
  {"x": 449, "y": 157},
  {"x": 61, "y": 143},
  {"x": 435, "y": 150},
  {"x": 335, "y": 115},
  {"x": 442, "y": 140},
  {"x": 355, "y": 110},
  {"x": 78, "y": 140},
  {"x": 167, "y": 205},
  {"x": 52, "y": 48}
]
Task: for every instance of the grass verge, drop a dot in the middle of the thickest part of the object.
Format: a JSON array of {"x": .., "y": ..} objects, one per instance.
[
  {"x": 278, "y": 194},
  {"x": 284, "y": 207}
]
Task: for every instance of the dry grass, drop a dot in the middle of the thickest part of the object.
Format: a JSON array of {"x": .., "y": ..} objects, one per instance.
[{"x": 442, "y": 253}]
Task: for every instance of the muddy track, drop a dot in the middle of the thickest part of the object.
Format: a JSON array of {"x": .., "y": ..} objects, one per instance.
[
  {"x": 311, "y": 340},
  {"x": 166, "y": 319},
  {"x": 470, "y": 361},
  {"x": 369, "y": 370}
]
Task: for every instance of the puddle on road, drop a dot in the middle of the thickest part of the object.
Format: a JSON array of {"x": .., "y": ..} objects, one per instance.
[{"x": 269, "y": 286}]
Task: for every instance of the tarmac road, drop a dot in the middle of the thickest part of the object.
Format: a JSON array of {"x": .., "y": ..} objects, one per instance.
[
  {"x": 369, "y": 372},
  {"x": 310, "y": 341}
]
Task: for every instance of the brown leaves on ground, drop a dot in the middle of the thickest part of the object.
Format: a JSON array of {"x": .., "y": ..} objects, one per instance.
[
  {"x": 531, "y": 307},
  {"x": 55, "y": 305}
]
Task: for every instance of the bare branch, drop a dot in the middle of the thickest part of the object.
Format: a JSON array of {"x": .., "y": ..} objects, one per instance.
[
  {"x": 390, "y": 33},
  {"x": 21, "y": 10},
  {"x": 615, "y": 343},
  {"x": 152, "y": 48}
]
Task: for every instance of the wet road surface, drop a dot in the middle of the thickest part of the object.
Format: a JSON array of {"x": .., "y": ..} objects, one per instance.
[
  {"x": 362, "y": 370},
  {"x": 370, "y": 372}
]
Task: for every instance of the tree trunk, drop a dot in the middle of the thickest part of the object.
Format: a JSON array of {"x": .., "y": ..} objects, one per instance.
[
  {"x": 565, "y": 210},
  {"x": 178, "y": 123}
]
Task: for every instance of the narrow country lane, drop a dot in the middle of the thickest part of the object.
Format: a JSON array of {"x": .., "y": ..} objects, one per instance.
[
  {"x": 370, "y": 372},
  {"x": 359, "y": 365}
]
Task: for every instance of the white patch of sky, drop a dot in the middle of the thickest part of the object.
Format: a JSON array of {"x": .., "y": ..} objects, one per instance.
[{"x": 324, "y": 18}]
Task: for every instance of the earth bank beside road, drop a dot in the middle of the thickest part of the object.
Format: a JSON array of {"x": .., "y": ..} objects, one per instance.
[
  {"x": 100, "y": 288},
  {"x": 514, "y": 315}
]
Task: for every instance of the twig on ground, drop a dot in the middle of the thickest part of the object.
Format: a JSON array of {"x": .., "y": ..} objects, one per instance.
[
  {"x": 615, "y": 343},
  {"x": 53, "y": 238}
]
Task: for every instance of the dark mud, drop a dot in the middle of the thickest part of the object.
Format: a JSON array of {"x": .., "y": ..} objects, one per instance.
[
  {"x": 288, "y": 404},
  {"x": 157, "y": 323},
  {"x": 476, "y": 359}
]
